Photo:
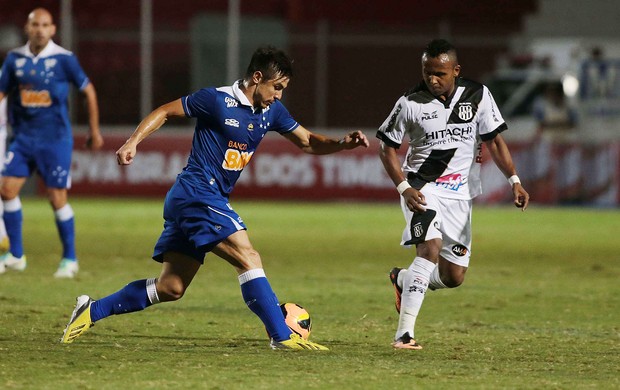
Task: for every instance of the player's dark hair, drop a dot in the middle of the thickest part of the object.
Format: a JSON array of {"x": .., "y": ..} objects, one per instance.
[
  {"x": 271, "y": 62},
  {"x": 437, "y": 47}
]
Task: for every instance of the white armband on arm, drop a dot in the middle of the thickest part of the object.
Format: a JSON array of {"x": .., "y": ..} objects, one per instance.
[
  {"x": 403, "y": 186},
  {"x": 514, "y": 179}
]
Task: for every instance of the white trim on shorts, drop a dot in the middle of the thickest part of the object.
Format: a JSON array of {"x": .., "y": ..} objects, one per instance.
[{"x": 452, "y": 225}]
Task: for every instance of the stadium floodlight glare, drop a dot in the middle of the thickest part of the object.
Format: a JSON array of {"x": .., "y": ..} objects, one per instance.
[{"x": 570, "y": 84}]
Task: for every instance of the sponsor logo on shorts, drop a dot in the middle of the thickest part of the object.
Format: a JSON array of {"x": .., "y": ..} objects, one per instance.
[{"x": 459, "y": 250}]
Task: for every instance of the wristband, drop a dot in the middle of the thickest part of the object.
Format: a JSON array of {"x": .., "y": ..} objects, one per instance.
[
  {"x": 403, "y": 186},
  {"x": 514, "y": 179}
]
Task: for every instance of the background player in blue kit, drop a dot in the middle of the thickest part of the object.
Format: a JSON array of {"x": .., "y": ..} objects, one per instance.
[
  {"x": 231, "y": 122},
  {"x": 37, "y": 77}
]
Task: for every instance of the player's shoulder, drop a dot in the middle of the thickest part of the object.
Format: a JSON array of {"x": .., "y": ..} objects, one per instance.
[
  {"x": 418, "y": 94},
  {"x": 473, "y": 91},
  {"x": 57, "y": 50},
  {"x": 469, "y": 84}
]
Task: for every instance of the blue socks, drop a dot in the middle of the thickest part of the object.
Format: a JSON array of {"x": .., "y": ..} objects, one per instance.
[
  {"x": 261, "y": 299},
  {"x": 255, "y": 288},
  {"x": 13, "y": 219},
  {"x": 66, "y": 229},
  {"x": 132, "y": 297}
]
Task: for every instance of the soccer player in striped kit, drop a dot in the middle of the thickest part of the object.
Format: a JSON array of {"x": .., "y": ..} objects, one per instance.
[
  {"x": 231, "y": 121},
  {"x": 37, "y": 76},
  {"x": 447, "y": 119}
]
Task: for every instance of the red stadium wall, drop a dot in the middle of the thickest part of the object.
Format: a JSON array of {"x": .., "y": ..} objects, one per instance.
[{"x": 553, "y": 173}]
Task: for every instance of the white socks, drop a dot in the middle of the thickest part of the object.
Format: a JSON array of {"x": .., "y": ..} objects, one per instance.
[
  {"x": 435, "y": 282},
  {"x": 414, "y": 283}
]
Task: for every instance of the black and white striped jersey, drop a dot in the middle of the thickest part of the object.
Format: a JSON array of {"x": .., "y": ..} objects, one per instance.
[{"x": 444, "y": 137}]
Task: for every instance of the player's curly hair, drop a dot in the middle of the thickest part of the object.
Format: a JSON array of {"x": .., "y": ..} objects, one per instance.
[
  {"x": 271, "y": 62},
  {"x": 437, "y": 47}
]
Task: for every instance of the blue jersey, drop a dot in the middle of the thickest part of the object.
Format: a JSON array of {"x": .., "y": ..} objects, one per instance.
[
  {"x": 39, "y": 88},
  {"x": 228, "y": 131}
]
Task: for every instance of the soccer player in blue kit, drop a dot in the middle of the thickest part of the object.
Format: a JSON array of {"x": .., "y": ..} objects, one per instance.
[
  {"x": 231, "y": 122},
  {"x": 36, "y": 76}
]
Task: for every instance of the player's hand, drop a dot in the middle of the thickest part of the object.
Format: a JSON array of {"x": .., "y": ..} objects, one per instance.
[
  {"x": 521, "y": 197},
  {"x": 414, "y": 200},
  {"x": 94, "y": 141},
  {"x": 355, "y": 139},
  {"x": 126, "y": 153}
]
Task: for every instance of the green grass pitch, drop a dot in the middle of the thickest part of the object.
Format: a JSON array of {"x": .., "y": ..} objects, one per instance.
[{"x": 540, "y": 307}]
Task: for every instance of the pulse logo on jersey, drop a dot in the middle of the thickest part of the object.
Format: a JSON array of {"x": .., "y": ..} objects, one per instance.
[
  {"x": 35, "y": 99},
  {"x": 426, "y": 116},
  {"x": 451, "y": 182}
]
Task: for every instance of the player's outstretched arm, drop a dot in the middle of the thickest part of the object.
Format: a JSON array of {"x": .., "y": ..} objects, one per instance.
[
  {"x": 94, "y": 140},
  {"x": 149, "y": 125},
  {"x": 319, "y": 144},
  {"x": 502, "y": 158}
]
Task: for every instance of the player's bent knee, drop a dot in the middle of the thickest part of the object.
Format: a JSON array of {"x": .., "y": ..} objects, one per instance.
[{"x": 170, "y": 290}]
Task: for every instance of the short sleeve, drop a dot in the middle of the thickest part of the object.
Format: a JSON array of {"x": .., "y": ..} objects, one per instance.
[
  {"x": 199, "y": 103},
  {"x": 283, "y": 121},
  {"x": 490, "y": 120},
  {"x": 75, "y": 73},
  {"x": 394, "y": 128}
]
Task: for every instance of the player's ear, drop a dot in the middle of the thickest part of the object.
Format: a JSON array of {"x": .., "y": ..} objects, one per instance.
[
  {"x": 457, "y": 70},
  {"x": 53, "y": 30},
  {"x": 257, "y": 77}
]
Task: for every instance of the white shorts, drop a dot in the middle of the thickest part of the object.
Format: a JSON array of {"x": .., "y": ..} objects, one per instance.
[{"x": 451, "y": 223}]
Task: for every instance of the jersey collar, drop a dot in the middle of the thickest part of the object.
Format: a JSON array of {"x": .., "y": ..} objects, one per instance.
[
  {"x": 239, "y": 95},
  {"x": 47, "y": 50}
]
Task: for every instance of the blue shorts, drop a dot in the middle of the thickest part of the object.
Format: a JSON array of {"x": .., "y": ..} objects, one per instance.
[
  {"x": 51, "y": 159},
  {"x": 195, "y": 221}
]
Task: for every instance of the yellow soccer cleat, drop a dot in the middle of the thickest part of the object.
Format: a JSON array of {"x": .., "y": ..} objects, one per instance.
[
  {"x": 80, "y": 320},
  {"x": 295, "y": 342},
  {"x": 4, "y": 245}
]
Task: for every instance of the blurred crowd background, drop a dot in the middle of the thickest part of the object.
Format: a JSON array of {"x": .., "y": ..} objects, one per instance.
[{"x": 552, "y": 65}]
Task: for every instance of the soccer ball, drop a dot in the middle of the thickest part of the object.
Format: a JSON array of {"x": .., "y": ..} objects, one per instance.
[{"x": 297, "y": 319}]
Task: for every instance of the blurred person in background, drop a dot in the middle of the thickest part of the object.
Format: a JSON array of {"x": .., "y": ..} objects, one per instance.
[
  {"x": 36, "y": 77},
  {"x": 4, "y": 239},
  {"x": 446, "y": 118},
  {"x": 231, "y": 121},
  {"x": 556, "y": 162}
]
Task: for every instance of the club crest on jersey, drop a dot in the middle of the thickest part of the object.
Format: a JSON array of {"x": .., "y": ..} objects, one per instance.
[
  {"x": 20, "y": 62},
  {"x": 426, "y": 116},
  {"x": 230, "y": 102},
  {"x": 250, "y": 127},
  {"x": 466, "y": 111},
  {"x": 49, "y": 63}
]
